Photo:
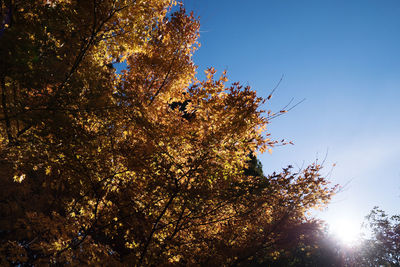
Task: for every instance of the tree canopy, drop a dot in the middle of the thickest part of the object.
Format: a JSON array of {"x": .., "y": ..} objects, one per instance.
[{"x": 100, "y": 167}]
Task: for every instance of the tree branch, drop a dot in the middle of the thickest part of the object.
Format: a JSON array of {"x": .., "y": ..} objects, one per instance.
[
  {"x": 153, "y": 230},
  {"x": 4, "y": 106}
]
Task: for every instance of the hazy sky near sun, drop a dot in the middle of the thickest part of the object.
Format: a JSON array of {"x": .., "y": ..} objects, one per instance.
[{"x": 343, "y": 57}]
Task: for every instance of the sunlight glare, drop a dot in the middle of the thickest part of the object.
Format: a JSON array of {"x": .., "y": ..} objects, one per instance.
[{"x": 346, "y": 231}]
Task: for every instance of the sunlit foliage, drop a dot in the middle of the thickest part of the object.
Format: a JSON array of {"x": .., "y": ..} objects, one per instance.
[{"x": 98, "y": 167}]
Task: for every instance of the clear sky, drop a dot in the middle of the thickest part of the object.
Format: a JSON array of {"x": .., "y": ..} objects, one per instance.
[{"x": 343, "y": 57}]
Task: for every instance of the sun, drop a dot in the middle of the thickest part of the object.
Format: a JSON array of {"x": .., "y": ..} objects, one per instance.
[{"x": 346, "y": 231}]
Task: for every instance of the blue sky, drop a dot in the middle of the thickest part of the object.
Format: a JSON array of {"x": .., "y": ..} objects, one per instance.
[{"x": 343, "y": 57}]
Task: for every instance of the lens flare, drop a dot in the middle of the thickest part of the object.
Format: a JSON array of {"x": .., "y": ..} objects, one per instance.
[{"x": 346, "y": 231}]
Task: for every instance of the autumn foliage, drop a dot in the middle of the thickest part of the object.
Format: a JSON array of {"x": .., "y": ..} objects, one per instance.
[{"x": 147, "y": 166}]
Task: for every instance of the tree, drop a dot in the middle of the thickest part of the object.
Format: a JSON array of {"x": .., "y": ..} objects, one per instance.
[
  {"x": 382, "y": 247},
  {"x": 98, "y": 167}
]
